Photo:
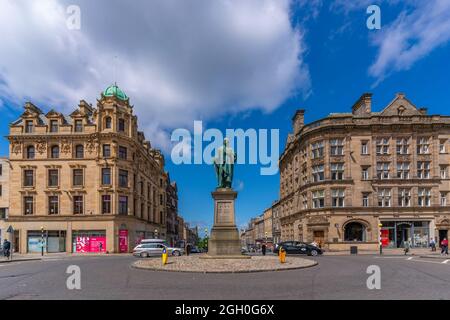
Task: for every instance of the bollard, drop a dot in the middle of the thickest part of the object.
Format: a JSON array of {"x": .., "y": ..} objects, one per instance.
[
  {"x": 164, "y": 256},
  {"x": 282, "y": 255}
]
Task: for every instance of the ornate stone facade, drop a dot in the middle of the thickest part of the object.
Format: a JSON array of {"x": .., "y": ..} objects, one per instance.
[
  {"x": 367, "y": 177},
  {"x": 172, "y": 212},
  {"x": 87, "y": 179}
]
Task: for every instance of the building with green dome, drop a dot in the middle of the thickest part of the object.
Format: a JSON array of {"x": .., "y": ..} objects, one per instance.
[{"x": 114, "y": 91}]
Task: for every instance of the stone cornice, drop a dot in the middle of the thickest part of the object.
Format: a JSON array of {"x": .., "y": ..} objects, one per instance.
[{"x": 372, "y": 124}]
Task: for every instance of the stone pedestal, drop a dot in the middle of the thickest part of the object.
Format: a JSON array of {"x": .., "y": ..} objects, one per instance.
[{"x": 224, "y": 240}]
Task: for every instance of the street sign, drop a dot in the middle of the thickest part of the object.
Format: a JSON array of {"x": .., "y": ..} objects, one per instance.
[{"x": 10, "y": 229}]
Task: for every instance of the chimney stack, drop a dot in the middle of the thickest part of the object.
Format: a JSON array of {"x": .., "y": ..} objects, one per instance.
[
  {"x": 298, "y": 121},
  {"x": 363, "y": 106}
]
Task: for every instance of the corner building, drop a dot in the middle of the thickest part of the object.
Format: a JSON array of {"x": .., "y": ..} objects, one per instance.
[
  {"x": 366, "y": 177},
  {"x": 87, "y": 182}
]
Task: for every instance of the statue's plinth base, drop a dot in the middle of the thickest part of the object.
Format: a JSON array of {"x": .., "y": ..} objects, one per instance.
[{"x": 224, "y": 240}]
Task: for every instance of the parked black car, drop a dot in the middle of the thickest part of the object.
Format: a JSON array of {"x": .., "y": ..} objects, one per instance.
[{"x": 297, "y": 247}]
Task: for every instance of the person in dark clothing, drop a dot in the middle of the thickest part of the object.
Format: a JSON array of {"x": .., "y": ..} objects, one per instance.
[
  {"x": 6, "y": 248},
  {"x": 263, "y": 249},
  {"x": 188, "y": 249},
  {"x": 444, "y": 247}
]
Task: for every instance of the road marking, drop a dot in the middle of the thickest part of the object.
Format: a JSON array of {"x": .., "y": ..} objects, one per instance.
[
  {"x": 9, "y": 264},
  {"x": 410, "y": 258},
  {"x": 445, "y": 261},
  {"x": 427, "y": 261},
  {"x": 389, "y": 257}
]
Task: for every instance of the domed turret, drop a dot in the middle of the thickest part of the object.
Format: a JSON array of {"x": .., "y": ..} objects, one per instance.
[{"x": 115, "y": 91}]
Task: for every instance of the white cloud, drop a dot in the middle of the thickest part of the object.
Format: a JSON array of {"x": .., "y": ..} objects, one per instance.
[
  {"x": 411, "y": 37},
  {"x": 420, "y": 28},
  {"x": 177, "y": 60}
]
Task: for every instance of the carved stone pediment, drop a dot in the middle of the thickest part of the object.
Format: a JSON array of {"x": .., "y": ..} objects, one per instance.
[
  {"x": 41, "y": 146},
  {"x": 424, "y": 157},
  {"x": 444, "y": 222},
  {"x": 316, "y": 162},
  {"x": 16, "y": 146},
  {"x": 315, "y": 220},
  {"x": 403, "y": 158},
  {"x": 66, "y": 146},
  {"x": 337, "y": 158},
  {"x": 384, "y": 158}
]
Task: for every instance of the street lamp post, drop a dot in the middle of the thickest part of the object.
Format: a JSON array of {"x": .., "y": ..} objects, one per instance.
[
  {"x": 380, "y": 242},
  {"x": 42, "y": 241},
  {"x": 206, "y": 237}
]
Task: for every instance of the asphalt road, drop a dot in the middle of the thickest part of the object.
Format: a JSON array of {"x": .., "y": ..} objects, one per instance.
[{"x": 336, "y": 277}]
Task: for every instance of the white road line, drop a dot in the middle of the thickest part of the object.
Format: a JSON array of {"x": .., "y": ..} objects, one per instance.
[
  {"x": 427, "y": 261},
  {"x": 389, "y": 257},
  {"x": 445, "y": 261},
  {"x": 9, "y": 264},
  {"x": 410, "y": 258}
]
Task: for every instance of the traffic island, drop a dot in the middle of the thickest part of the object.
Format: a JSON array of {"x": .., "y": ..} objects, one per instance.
[{"x": 196, "y": 264}]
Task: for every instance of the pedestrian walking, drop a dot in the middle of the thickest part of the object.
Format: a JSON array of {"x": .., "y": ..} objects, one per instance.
[
  {"x": 263, "y": 249},
  {"x": 433, "y": 245},
  {"x": 407, "y": 246},
  {"x": 6, "y": 248},
  {"x": 444, "y": 247}
]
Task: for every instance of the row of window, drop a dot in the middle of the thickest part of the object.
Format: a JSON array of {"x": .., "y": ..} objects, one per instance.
[
  {"x": 384, "y": 198},
  {"x": 78, "y": 125},
  {"x": 30, "y": 152},
  {"x": 383, "y": 171},
  {"x": 77, "y": 204},
  {"x": 78, "y": 180},
  {"x": 77, "y": 177},
  {"x": 53, "y": 205},
  {"x": 382, "y": 146}
]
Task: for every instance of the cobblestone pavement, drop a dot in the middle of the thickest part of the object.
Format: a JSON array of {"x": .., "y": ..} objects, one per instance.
[{"x": 196, "y": 264}]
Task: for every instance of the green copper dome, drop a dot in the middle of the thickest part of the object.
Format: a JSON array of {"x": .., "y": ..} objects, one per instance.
[{"x": 115, "y": 91}]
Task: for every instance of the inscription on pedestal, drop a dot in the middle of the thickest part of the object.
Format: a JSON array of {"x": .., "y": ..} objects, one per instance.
[{"x": 224, "y": 212}]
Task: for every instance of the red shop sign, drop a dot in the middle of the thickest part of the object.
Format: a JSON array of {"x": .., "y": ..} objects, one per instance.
[{"x": 123, "y": 241}]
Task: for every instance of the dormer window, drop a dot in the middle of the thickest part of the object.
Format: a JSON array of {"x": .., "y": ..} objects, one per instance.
[
  {"x": 54, "y": 152},
  {"x": 78, "y": 126},
  {"x": 53, "y": 125},
  {"x": 108, "y": 123},
  {"x": 121, "y": 125},
  {"x": 30, "y": 152},
  {"x": 29, "y": 126}
]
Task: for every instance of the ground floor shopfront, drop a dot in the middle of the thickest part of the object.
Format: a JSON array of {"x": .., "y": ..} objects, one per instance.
[
  {"x": 337, "y": 231},
  {"x": 119, "y": 235}
]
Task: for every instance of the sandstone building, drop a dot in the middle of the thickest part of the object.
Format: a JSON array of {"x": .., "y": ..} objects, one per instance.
[
  {"x": 86, "y": 182},
  {"x": 365, "y": 177},
  {"x": 4, "y": 198},
  {"x": 172, "y": 212}
]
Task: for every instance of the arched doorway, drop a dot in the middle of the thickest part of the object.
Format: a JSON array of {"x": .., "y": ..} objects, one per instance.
[{"x": 354, "y": 231}]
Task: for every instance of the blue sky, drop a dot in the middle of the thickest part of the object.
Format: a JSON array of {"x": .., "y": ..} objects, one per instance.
[{"x": 325, "y": 58}]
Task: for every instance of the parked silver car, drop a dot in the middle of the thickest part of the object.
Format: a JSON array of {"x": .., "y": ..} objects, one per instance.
[{"x": 145, "y": 250}]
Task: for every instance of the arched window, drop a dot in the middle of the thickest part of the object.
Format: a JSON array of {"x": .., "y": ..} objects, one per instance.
[
  {"x": 30, "y": 152},
  {"x": 354, "y": 231},
  {"x": 54, "y": 152},
  {"x": 108, "y": 122},
  {"x": 79, "y": 151}
]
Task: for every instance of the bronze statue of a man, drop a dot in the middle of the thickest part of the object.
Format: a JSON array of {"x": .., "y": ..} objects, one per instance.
[{"x": 224, "y": 165}]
